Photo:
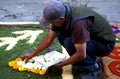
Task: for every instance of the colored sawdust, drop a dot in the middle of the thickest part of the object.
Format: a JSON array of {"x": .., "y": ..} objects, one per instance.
[{"x": 111, "y": 63}]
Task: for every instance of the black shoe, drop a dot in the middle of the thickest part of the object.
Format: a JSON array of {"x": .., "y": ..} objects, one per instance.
[
  {"x": 98, "y": 71},
  {"x": 96, "y": 74},
  {"x": 85, "y": 76}
]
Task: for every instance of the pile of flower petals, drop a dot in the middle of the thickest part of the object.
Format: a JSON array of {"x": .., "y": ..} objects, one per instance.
[{"x": 20, "y": 65}]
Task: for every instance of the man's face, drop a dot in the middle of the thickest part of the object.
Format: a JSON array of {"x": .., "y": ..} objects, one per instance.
[{"x": 59, "y": 23}]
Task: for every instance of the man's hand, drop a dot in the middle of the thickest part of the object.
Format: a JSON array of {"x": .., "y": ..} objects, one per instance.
[
  {"x": 59, "y": 64},
  {"x": 27, "y": 56}
]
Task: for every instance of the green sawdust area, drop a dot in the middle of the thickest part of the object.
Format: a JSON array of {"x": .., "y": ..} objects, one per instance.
[{"x": 21, "y": 47}]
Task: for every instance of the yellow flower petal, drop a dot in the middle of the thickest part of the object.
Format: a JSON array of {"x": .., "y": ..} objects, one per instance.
[
  {"x": 21, "y": 68},
  {"x": 11, "y": 63},
  {"x": 42, "y": 72}
]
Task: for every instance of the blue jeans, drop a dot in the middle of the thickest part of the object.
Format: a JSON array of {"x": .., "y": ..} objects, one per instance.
[{"x": 94, "y": 49}]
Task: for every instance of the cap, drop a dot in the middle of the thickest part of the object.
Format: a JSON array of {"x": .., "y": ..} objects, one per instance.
[{"x": 52, "y": 11}]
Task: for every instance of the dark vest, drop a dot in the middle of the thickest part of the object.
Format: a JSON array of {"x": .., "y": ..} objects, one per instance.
[{"x": 101, "y": 28}]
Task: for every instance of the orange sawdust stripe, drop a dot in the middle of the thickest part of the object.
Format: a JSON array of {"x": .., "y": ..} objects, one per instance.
[
  {"x": 115, "y": 53},
  {"x": 114, "y": 66}
]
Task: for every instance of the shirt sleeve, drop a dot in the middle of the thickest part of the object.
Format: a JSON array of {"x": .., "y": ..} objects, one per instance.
[{"x": 81, "y": 31}]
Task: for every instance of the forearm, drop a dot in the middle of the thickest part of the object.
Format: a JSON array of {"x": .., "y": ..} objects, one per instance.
[
  {"x": 73, "y": 59},
  {"x": 43, "y": 45},
  {"x": 78, "y": 56},
  {"x": 45, "y": 42}
]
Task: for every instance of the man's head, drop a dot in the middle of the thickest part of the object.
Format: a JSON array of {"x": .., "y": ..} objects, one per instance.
[{"x": 53, "y": 12}]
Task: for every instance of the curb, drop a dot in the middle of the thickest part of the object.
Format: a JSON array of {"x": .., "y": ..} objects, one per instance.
[{"x": 18, "y": 23}]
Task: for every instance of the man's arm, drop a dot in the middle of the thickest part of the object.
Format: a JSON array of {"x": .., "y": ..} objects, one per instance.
[
  {"x": 78, "y": 56},
  {"x": 43, "y": 45},
  {"x": 45, "y": 42}
]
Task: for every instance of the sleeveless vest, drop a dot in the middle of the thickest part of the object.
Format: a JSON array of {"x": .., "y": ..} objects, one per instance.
[{"x": 100, "y": 30}]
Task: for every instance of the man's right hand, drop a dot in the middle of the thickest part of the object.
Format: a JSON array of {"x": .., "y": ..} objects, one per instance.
[{"x": 27, "y": 56}]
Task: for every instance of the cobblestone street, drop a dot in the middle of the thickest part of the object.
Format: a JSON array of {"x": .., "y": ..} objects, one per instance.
[{"x": 31, "y": 10}]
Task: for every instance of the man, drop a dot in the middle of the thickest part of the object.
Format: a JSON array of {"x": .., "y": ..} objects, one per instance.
[{"x": 84, "y": 33}]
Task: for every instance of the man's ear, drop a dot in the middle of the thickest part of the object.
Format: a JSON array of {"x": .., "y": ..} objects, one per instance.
[{"x": 62, "y": 18}]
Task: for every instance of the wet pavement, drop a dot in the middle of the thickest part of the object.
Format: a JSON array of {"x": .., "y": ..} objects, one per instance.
[{"x": 31, "y": 10}]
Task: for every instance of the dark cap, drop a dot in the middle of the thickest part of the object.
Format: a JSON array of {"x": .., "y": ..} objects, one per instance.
[{"x": 52, "y": 11}]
